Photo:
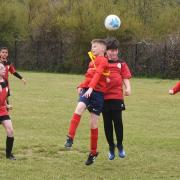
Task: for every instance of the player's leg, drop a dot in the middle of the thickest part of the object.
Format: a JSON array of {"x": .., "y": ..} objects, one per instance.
[
  {"x": 108, "y": 129},
  {"x": 80, "y": 108},
  {"x": 93, "y": 139},
  {"x": 10, "y": 138},
  {"x": 76, "y": 119},
  {"x": 95, "y": 108},
  {"x": 118, "y": 126}
]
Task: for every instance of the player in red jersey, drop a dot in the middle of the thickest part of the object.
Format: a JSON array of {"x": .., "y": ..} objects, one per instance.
[
  {"x": 9, "y": 67},
  {"x": 91, "y": 97},
  {"x": 113, "y": 98},
  {"x": 4, "y": 116},
  {"x": 175, "y": 89}
]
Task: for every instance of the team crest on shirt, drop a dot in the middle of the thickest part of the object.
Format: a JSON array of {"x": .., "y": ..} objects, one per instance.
[
  {"x": 6, "y": 89},
  {"x": 119, "y": 65}
]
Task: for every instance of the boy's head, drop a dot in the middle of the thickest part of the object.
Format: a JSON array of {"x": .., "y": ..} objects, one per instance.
[
  {"x": 112, "y": 48},
  {"x": 3, "y": 53},
  {"x": 98, "y": 47},
  {"x": 112, "y": 43}
]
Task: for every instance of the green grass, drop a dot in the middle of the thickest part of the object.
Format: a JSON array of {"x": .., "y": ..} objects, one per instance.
[{"x": 41, "y": 115}]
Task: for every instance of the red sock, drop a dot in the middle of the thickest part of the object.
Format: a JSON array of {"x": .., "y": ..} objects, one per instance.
[
  {"x": 74, "y": 124},
  {"x": 94, "y": 139}
]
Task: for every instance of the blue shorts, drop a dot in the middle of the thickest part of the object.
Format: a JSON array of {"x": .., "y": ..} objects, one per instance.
[{"x": 94, "y": 103}]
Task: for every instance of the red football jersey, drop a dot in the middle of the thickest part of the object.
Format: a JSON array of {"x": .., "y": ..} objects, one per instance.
[
  {"x": 94, "y": 77},
  {"x": 9, "y": 68},
  {"x": 118, "y": 72},
  {"x": 3, "y": 95},
  {"x": 176, "y": 88}
]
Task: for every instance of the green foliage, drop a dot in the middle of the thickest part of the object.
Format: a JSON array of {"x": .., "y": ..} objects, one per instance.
[
  {"x": 48, "y": 19},
  {"x": 12, "y": 21},
  {"x": 74, "y": 23}
]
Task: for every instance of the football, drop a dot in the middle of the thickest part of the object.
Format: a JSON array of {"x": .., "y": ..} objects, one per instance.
[{"x": 112, "y": 22}]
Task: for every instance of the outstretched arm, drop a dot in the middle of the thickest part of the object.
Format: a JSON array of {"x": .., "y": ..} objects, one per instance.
[
  {"x": 16, "y": 74},
  {"x": 12, "y": 70},
  {"x": 175, "y": 89}
]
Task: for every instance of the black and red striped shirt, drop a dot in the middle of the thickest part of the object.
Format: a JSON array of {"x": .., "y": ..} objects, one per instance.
[{"x": 3, "y": 95}]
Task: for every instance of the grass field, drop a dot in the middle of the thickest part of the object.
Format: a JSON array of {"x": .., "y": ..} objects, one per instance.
[{"x": 41, "y": 115}]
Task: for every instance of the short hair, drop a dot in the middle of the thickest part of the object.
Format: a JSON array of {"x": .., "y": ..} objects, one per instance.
[
  {"x": 112, "y": 43},
  {"x": 100, "y": 41},
  {"x": 3, "y": 48}
]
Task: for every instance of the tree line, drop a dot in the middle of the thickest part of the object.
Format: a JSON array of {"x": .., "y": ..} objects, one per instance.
[{"x": 73, "y": 23}]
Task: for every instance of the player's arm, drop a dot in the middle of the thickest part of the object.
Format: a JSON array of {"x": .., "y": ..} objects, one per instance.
[
  {"x": 13, "y": 71},
  {"x": 175, "y": 89},
  {"x": 99, "y": 71},
  {"x": 9, "y": 107},
  {"x": 126, "y": 75},
  {"x": 16, "y": 74},
  {"x": 127, "y": 87}
]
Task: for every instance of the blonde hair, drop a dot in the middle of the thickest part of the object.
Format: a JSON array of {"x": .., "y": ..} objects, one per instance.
[{"x": 100, "y": 41}]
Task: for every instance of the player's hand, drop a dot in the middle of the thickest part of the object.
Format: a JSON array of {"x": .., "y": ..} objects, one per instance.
[
  {"x": 108, "y": 80},
  {"x": 9, "y": 107},
  {"x": 0, "y": 88},
  {"x": 24, "y": 81},
  {"x": 127, "y": 92},
  {"x": 171, "y": 92},
  {"x": 87, "y": 94},
  {"x": 79, "y": 90}
]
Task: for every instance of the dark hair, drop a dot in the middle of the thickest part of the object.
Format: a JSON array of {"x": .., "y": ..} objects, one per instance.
[
  {"x": 112, "y": 43},
  {"x": 101, "y": 41},
  {"x": 3, "y": 48}
]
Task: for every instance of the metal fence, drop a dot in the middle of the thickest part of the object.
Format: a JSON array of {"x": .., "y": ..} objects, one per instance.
[{"x": 145, "y": 59}]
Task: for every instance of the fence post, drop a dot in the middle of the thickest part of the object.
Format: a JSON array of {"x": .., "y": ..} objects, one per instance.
[
  {"x": 135, "y": 58},
  {"x": 37, "y": 54},
  {"x": 165, "y": 59},
  {"x": 15, "y": 54}
]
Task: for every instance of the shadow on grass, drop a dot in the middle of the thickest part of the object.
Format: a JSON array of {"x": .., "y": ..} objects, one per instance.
[{"x": 39, "y": 151}]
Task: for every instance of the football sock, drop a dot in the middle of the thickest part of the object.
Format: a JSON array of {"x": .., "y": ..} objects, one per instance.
[
  {"x": 94, "y": 139},
  {"x": 9, "y": 145},
  {"x": 74, "y": 124}
]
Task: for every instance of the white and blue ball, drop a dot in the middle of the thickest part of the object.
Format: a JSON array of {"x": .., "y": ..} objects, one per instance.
[{"x": 112, "y": 22}]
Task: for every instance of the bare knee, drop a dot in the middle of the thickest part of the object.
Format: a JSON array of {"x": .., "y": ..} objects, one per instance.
[
  {"x": 80, "y": 108},
  {"x": 10, "y": 131},
  {"x": 94, "y": 121},
  {"x": 93, "y": 124}
]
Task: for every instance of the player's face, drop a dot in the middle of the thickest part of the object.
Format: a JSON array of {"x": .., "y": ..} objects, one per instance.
[
  {"x": 112, "y": 54},
  {"x": 4, "y": 54},
  {"x": 97, "y": 49},
  {"x": 2, "y": 70}
]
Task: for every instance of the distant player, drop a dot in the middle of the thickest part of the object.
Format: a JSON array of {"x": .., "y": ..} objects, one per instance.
[
  {"x": 91, "y": 97},
  {"x": 114, "y": 98},
  {"x": 4, "y": 116},
  {"x": 9, "y": 67},
  {"x": 175, "y": 89}
]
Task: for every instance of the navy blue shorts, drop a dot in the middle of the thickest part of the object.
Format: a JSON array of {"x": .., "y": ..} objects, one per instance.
[{"x": 94, "y": 103}]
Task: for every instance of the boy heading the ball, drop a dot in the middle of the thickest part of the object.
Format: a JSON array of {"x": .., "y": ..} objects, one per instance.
[{"x": 91, "y": 97}]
